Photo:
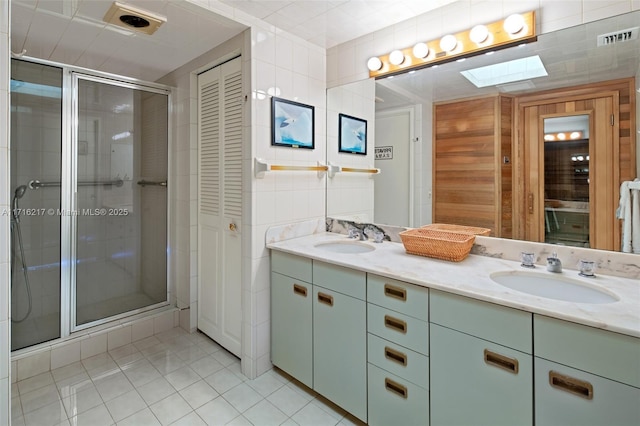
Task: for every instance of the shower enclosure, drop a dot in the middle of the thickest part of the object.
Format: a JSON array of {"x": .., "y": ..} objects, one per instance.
[{"x": 89, "y": 162}]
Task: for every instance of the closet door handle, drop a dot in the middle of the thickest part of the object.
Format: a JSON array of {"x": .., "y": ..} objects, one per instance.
[
  {"x": 325, "y": 298},
  {"x": 395, "y": 356},
  {"x": 300, "y": 290},
  {"x": 395, "y": 324},
  {"x": 396, "y": 388},
  {"x": 501, "y": 361},
  {"x": 574, "y": 386},
  {"x": 395, "y": 292}
]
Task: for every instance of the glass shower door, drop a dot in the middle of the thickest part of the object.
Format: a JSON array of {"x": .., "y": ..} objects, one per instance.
[
  {"x": 121, "y": 229},
  {"x": 36, "y": 152}
]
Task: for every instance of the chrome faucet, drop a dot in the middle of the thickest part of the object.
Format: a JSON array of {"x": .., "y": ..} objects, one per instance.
[
  {"x": 357, "y": 233},
  {"x": 553, "y": 263}
]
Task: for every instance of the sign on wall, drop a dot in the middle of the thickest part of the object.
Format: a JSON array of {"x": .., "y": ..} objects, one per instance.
[{"x": 384, "y": 152}]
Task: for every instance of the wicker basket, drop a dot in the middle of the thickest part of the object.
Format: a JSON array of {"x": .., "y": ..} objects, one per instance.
[
  {"x": 460, "y": 229},
  {"x": 444, "y": 245}
]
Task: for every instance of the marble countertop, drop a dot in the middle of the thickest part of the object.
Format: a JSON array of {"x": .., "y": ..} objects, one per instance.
[{"x": 471, "y": 278}]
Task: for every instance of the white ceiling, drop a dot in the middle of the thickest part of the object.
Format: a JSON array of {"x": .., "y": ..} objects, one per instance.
[
  {"x": 73, "y": 32},
  {"x": 328, "y": 23},
  {"x": 570, "y": 56}
]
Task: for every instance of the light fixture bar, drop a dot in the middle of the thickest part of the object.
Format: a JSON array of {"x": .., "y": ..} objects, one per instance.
[{"x": 498, "y": 37}]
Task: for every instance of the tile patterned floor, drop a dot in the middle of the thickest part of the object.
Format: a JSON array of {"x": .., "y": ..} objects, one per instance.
[{"x": 174, "y": 378}]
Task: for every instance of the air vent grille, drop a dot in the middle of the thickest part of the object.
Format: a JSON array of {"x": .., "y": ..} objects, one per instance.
[{"x": 618, "y": 36}]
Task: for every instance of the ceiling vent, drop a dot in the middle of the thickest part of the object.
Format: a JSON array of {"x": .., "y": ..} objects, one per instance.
[
  {"x": 618, "y": 36},
  {"x": 133, "y": 18}
]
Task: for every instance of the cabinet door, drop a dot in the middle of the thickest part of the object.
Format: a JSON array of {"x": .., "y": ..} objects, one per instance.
[
  {"x": 476, "y": 382},
  {"x": 340, "y": 350},
  {"x": 566, "y": 396},
  {"x": 291, "y": 327}
]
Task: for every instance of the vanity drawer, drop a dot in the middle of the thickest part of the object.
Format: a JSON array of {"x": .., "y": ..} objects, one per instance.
[
  {"x": 291, "y": 265},
  {"x": 499, "y": 324},
  {"x": 338, "y": 278},
  {"x": 403, "y": 297},
  {"x": 395, "y": 401},
  {"x": 396, "y": 359},
  {"x": 605, "y": 353},
  {"x": 404, "y": 330}
]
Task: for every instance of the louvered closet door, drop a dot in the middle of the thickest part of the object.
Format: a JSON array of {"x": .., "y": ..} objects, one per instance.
[{"x": 220, "y": 204}]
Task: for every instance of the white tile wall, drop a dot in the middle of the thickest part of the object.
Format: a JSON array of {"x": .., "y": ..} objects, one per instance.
[{"x": 350, "y": 195}]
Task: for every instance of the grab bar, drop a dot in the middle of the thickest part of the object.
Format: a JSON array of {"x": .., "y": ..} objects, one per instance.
[
  {"x": 36, "y": 184},
  {"x": 144, "y": 183}
]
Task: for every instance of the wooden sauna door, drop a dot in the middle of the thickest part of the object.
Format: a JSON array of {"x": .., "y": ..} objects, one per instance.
[{"x": 603, "y": 168}]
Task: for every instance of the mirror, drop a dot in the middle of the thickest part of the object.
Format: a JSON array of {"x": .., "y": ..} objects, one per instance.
[{"x": 571, "y": 58}]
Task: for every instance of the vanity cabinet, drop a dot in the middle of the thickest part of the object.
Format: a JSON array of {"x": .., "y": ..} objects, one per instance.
[
  {"x": 398, "y": 349},
  {"x": 340, "y": 337},
  {"x": 318, "y": 328},
  {"x": 584, "y": 375},
  {"x": 481, "y": 362},
  {"x": 291, "y": 316}
]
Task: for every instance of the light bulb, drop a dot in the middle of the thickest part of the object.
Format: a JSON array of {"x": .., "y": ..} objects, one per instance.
[
  {"x": 374, "y": 64},
  {"x": 421, "y": 50},
  {"x": 574, "y": 135},
  {"x": 549, "y": 137},
  {"x": 562, "y": 136},
  {"x": 479, "y": 34},
  {"x": 514, "y": 23},
  {"x": 448, "y": 43},
  {"x": 396, "y": 57}
]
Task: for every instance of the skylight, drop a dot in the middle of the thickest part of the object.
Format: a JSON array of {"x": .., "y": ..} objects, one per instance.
[{"x": 506, "y": 72}]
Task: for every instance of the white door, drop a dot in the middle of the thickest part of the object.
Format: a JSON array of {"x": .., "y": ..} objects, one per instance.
[
  {"x": 393, "y": 186},
  {"x": 219, "y": 204}
]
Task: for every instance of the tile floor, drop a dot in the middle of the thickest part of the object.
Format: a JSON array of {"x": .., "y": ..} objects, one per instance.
[{"x": 174, "y": 378}]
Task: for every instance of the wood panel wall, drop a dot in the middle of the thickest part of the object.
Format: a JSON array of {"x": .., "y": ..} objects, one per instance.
[{"x": 471, "y": 184}]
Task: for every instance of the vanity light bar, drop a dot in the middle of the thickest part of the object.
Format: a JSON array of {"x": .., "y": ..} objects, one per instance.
[{"x": 514, "y": 30}]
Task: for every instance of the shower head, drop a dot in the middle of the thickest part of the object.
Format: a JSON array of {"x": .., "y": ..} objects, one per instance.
[{"x": 20, "y": 191}]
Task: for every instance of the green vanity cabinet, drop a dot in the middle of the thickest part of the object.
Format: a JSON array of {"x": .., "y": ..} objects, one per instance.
[
  {"x": 585, "y": 376},
  {"x": 340, "y": 337},
  {"x": 481, "y": 363},
  {"x": 398, "y": 352},
  {"x": 291, "y": 316}
]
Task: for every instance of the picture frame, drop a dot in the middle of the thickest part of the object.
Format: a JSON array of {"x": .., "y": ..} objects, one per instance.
[
  {"x": 352, "y": 135},
  {"x": 292, "y": 124}
]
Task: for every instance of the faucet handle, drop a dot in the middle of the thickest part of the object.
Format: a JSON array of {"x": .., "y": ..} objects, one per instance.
[
  {"x": 527, "y": 259},
  {"x": 587, "y": 268},
  {"x": 354, "y": 232}
]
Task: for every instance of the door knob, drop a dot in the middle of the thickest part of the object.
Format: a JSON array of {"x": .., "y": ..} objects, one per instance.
[{"x": 232, "y": 227}]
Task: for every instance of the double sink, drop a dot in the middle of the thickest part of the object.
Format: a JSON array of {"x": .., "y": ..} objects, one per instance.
[{"x": 537, "y": 284}]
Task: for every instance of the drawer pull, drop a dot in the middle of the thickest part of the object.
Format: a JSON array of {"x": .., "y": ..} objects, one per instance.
[
  {"x": 395, "y": 324},
  {"x": 395, "y": 292},
  {"x": 396, "y": 356},
  {"x": 501, "y": 361},
  {"x": 572, "y": 385},
  {"x": 325, "y": 298},
  {"x": 396, "y": 388},
  {"x": 300, "y": 290}
]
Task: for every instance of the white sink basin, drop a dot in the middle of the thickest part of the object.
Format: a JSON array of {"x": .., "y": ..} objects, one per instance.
[
  {"x": 552, "y": 287},
  {"x": 349, "y": 247}
]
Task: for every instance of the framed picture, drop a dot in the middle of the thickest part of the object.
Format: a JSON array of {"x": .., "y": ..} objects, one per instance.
[
  {"x": 292, "y": 124},
  {"x": 352, "y": 135}
]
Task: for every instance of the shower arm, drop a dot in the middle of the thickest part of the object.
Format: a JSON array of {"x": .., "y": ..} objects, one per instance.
[{"x": 36, "y": 184}]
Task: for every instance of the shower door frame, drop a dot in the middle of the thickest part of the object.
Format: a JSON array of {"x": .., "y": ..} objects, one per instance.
[{"x": 68, "y": 188}]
